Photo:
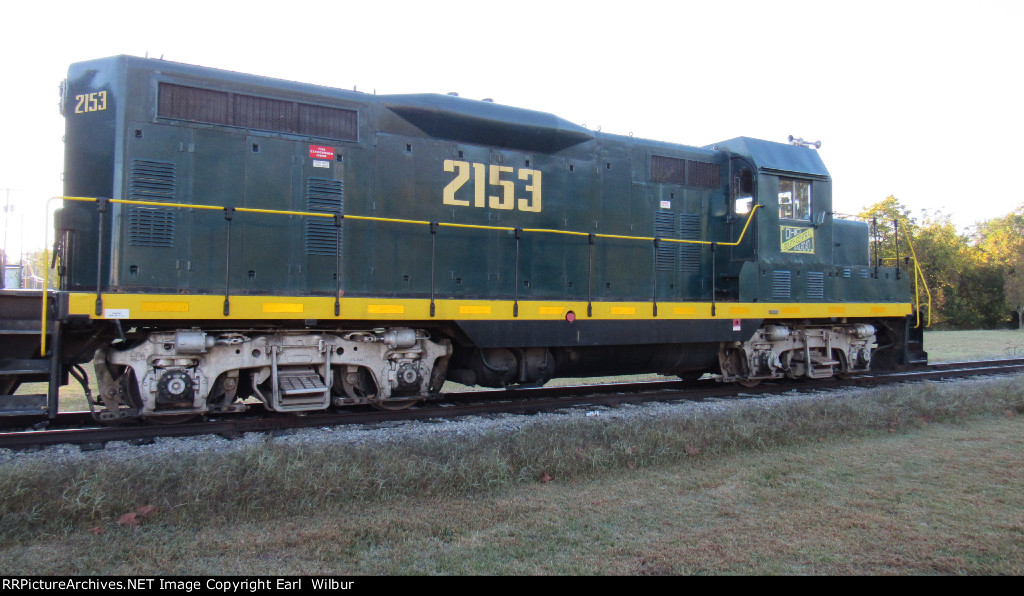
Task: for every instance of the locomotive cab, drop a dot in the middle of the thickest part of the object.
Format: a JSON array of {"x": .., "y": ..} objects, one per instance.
[{"x": 807, "y": 255}]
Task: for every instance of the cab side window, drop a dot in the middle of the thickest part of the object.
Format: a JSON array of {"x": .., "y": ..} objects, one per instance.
[
  {"x": 794, "y": 199},
  {"x": 743, "y": 192}
]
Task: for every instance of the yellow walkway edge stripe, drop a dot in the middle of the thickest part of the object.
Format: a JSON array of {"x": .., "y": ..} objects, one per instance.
[{"x": 210, "y": 307}]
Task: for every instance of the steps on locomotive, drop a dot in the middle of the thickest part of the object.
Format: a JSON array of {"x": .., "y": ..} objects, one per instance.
[
  {"x": 301, "y": 389},
  {"x": 915, "y": 344},
  {"x": 916, "y": 353},
  {"x": 821, "y": 366},
  {"x": 19, "y": 353}
]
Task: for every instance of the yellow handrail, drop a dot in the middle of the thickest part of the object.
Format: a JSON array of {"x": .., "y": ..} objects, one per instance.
[
  {"x": 743, "y": 232},
  {"x": 918, "y": 275},
  {"x": 46, "y": 276},
  {"x": 919, "y": 279}
]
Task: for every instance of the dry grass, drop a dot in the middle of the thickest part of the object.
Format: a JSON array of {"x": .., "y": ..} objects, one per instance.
[{"x": 884, "y": 504}]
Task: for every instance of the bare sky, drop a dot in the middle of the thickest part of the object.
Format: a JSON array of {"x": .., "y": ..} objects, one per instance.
[{"x": 921, "y": 100}]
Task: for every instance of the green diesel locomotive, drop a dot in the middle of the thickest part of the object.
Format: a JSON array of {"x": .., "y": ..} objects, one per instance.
[{"x": 226, "y": 236}]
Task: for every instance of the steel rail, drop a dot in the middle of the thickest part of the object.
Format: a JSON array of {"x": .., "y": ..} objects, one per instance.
[{"x": 517, "y": 401}]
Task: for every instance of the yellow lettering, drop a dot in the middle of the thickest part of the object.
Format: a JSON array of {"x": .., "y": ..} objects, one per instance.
[
  {"x": 92, "y": 102},
  {"x": 532, "y": 204},
  {"x": 480, "y": 185},
  {"x": 484, "y": 176},
  {"x": 507, "y": 200},
  {"x": 461, "y": 178}
]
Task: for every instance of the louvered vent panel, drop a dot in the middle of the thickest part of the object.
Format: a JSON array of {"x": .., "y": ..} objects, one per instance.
[
  {"x": 151, "y": 226},
  {"x": 847, "y": 273},
  {"x": 664, "y": 227},
  {"x": 864, "y": 273},
  {"x": 815, "y": 284},
  {"x": 151, "y": 181},
  {"x": 782, "y": 284},
  {"x": 689, "y": 254},
  {"x": 324, "y": 196}
]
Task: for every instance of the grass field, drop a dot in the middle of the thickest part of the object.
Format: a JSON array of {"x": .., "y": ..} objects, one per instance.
[
  {"x": 918, "y": 479},
  {"x": 945, "y": 346}
]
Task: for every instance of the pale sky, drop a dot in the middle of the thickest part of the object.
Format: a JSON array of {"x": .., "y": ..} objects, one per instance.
[{"x": 921, "y": 100}]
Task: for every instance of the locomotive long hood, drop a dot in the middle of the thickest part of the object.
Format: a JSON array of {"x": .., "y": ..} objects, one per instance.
[{"x": 485, "y": 123}]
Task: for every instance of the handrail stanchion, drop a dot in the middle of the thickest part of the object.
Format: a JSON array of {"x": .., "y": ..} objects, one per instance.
[
  {"x": 337, "y": 263},
  {"x": 515, "y": 286},
  {"x": 101, "y": 208},
  {"x": 654, "y": 274},
  {"x": 229, "y": 214},
  {"x": 591, "y": 238},
  {"x": 433, "y": 246}
]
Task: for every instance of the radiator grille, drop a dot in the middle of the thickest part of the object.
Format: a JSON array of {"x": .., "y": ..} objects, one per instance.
[
  {"x": 193, "y": 103},
  {"x": 253, "y": 112},
  {"x": 324, "y": 196},
  {"x": 263, "y": 113},
  {"x": 673, "y": 170},
  {"x": 333, "y": 123},
  {"x": 704, "y": 175},
  {"x": 151, "y": 181},
  {"x": 668, "y": 169}
]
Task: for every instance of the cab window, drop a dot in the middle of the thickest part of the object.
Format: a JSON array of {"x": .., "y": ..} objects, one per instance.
[
  {"x": 743, "y": 192},
  {"x": 794, "y": 199}
]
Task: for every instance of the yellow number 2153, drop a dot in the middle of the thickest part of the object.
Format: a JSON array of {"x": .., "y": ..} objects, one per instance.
[
  {"x": 93, "y": 102},
  {"x": 495, "y": 176}
]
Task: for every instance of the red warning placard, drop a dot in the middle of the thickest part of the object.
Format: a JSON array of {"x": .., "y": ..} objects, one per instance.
[{"x": 321, "y": 152}]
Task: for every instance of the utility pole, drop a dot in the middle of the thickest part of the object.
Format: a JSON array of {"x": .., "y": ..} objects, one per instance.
[{"x": 7, "y": 217}]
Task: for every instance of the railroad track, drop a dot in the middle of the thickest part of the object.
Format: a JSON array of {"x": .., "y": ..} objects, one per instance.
[{"x": 78, "y": 428}]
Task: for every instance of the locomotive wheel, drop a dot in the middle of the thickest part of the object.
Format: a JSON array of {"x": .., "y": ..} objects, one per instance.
[
  {"x": 358, "y": 386},
  {"x": 750, "y": 383},
  {"x": 170, "y": 420},
  {"x": 395, "y": 405}
]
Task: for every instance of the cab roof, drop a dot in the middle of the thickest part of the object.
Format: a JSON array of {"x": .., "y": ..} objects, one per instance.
[{"x": 777, "y": 158}]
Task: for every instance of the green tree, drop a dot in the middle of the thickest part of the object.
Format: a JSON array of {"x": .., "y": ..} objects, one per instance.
[
  {"x": 1001, "y": 241},
  {"x": 36, "y": 264},
  {"x": 881, "y": 216},
  {"x": 967, "y": 290}
]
